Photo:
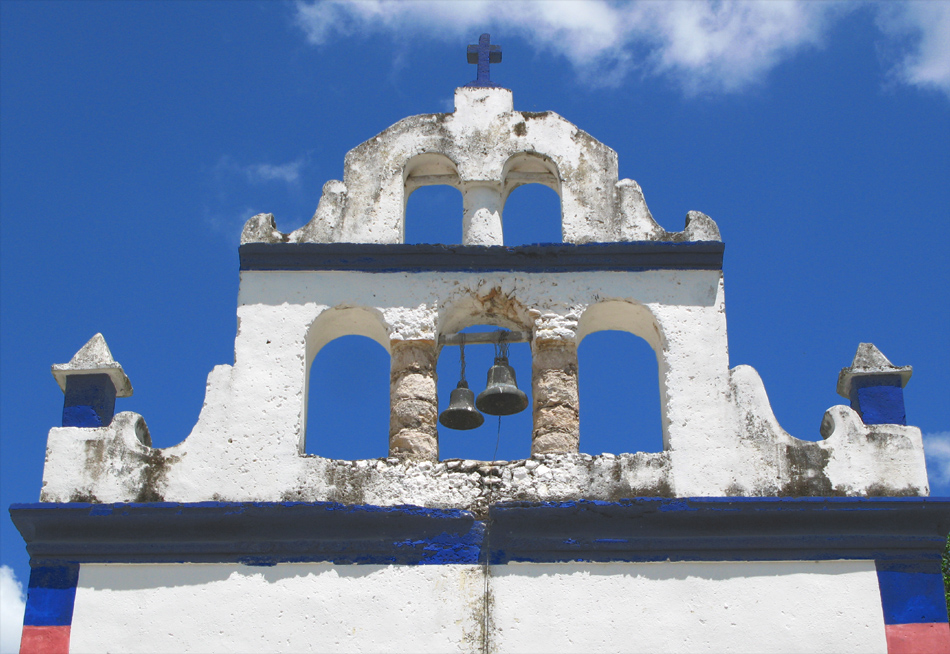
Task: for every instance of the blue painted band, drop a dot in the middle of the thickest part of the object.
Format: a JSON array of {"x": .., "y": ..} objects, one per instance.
[
  {"x": 721, "y": 529},
  {"x": 81, "y": 416},
  {"x": 879, "y": 405},
  {"x": 557, "y": 257},
  {"x": 253, "y": 533},
  {"x": 884, "y": 379},
  {"x": 89, "y": 401},
  {"x": 51, "y": 595},
  {"x": 643, "y": 529},
  {"x": 912, "y": 592}
]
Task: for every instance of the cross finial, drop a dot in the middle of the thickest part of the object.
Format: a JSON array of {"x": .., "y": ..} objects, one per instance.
[{"x": 483, "y": 54}]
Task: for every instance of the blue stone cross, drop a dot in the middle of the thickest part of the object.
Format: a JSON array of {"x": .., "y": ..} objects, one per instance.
[{"x": 484, "y": 54}]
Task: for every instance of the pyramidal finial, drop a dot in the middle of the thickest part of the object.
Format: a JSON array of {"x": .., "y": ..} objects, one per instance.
[
  {"x": 94, "y": 354},
  {"x": 870, "y": 362},
  {"x": 94, "y": 358},
  {"x": 868, "y": 357}
]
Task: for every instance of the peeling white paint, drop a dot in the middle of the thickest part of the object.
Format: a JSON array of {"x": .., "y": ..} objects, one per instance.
[
  {"x": 720, "y": 436},
  {"x": 485, "y": 149}
]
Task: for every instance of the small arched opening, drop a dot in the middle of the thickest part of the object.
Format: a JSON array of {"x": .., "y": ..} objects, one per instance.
[
  {"x": 433, "y": 207},
  {"x": 434, "y": 215},
  {"x": 532, "y": 209},
  {"x": 346, "y": 415},
  {"x": 620, "y": 380}
]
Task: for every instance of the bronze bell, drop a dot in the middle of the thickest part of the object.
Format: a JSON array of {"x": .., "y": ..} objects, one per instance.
[
  {"x": 461, "y": 413},
  {"x": 501, "y": 396}
]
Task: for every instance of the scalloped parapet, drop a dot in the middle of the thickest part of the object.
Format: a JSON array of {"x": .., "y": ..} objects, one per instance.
[
  {"x": 720, "y": 435},
  {"x": 347, "y": 272},
  {"x": 485, "y": 149}
]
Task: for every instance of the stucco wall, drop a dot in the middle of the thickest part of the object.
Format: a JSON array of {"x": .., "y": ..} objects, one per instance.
[
  {"x": 801, "y": 606},
  {"x": 348, "y": 272},
  {"x": 720, "y": 435}
]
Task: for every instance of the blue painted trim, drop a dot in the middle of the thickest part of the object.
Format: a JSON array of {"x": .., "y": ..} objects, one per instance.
[
  {"x": 51, "y": 595},
  {"x": 253, "y": 533},
  {"x": 555, "y": 257},
  {"x": 89, "y": 401},
  {"x": 721, "y": 529},
  {"x": 912, "y": 592},
  {"x": 642, "y": 529},
  {"x": 877, "y": 379},
  {"x": 879, "y": 404}
]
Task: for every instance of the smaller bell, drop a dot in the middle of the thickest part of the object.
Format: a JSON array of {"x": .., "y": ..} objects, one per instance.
[
  {"x": 501, "y": 396},
  {"x": 461, "y": 413}
]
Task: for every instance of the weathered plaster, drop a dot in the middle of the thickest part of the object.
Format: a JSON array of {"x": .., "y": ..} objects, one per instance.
[
  {"x": 485, "y": 149},
  {"x": 567, "y": 607},
  {"x": 720, "y": 436},
  {"x": 719, "y": 432},
  {"x": 94, "y": 358}
]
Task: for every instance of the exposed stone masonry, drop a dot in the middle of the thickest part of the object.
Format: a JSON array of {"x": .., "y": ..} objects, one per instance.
[
  {"x": 554, "y": 386},
  {"x": 414, "y": 409}
]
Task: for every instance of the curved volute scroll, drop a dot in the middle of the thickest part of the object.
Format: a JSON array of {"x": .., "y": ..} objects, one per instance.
[{"x": 636, "y": 223}]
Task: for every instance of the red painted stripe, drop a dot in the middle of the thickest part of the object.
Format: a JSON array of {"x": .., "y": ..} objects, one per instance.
[
  {"x": 45, "y": 640},
  {"x": 917, "y": 638}
]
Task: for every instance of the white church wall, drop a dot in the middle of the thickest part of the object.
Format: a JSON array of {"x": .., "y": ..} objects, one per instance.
[
  {"x": 737, "y": 536},
  {"x": 781, "y": 606},
  {"x": 288, "y": 607},
  {"x": 719, "y": 432}
]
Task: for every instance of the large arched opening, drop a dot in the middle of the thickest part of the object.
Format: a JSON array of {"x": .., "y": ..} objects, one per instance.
[
  {"x": 619, "y": 394},
  {"x": 620, "y": 378},
  {"x": 346, "y": 415},
  {"x": 492, "y": 310}
]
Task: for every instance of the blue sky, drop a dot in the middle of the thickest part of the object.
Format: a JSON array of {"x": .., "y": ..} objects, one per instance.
[{"x": 137, "y": 138}]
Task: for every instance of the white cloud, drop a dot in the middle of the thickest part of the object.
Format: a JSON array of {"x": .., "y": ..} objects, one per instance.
[
  {"x": 703, "y": 45},
  {"x": 729, "y": 45},
  {"x": 12, "y": 605},
  {"x": 937, "y": 451},
  {"x": 260, "y": 172},
  {"x": 918, "y": 44},
  {"x": 288, "y": 172}
]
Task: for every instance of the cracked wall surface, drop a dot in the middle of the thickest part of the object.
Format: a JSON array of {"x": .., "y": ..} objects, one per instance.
[
  {"x": 721, "y": 436},
  {"x": 719, "y": 433}
]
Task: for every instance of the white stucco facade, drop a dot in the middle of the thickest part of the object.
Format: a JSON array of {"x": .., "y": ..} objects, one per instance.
[
  {"x": 790, "y": 606},
  {"x": 720, "y": 435},
  {"x": 737, "y": 536}
]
